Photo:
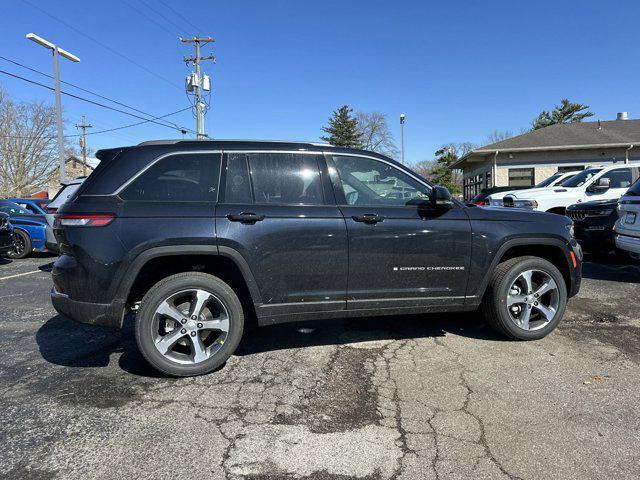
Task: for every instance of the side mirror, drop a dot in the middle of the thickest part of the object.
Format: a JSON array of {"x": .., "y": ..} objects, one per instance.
[
  {"x": 601, "y": 185},
  {"x": 441, "y": 197}
]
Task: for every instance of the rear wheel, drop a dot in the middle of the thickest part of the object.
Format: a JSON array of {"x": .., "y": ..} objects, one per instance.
[
  {"x": 21, "y": 245},
  {"x": 189, "y": 324},
  {"x": 526, "y": 298}
]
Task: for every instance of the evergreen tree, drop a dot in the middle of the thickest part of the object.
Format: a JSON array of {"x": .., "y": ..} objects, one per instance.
[
  {"x": 343, "y": 130},
  {"x": 566, "y": 112},
  {"x": 441, "y": 173}
]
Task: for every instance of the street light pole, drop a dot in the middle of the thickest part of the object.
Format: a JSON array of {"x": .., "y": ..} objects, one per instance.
[
  {"x": 56, "y": 75},
  {"x": 402, "y": 135}
]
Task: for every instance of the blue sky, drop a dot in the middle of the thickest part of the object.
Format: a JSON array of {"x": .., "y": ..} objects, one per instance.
[{"x": 458, "y": 69}]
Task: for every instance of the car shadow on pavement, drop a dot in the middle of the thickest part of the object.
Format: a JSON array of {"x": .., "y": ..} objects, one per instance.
[
  {"x": 64, "y": 342},
  {"x": 610, "y": 268},
  {"x": 4, "y": 261},
  {"x": 361, "y": 330}
]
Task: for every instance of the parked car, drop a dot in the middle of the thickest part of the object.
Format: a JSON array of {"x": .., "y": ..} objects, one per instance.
[
  {"x": 65, "y": 192},
  {"x": 195, "y": 235},
  {"x": 28, "y": 230},
  {"x": 597, "y": 183},
  {"x": 6, "y": 234},
  {"x": 36, "y": 206},
  {"x": 555, "y": 180},
  {"x": 482, "y": 198},
  {"x": 594, "y": 224},
  {"x": 628, "y": 225}
]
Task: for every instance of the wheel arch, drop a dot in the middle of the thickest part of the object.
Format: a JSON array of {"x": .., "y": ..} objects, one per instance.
[
  {"x": 153, "y": 264},
  {"x": 552, "y": 249}
]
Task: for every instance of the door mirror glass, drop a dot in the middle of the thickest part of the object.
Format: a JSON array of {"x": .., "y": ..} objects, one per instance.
[{"x": 600, "y": 185}]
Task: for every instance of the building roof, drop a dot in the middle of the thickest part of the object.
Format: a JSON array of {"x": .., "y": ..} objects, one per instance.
[{"x": 566, "y": 136}]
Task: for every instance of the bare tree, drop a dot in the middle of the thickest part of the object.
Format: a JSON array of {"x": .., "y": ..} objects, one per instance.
[
  {"x": 498, "y": 136},
  {"x": 376, "y": 135},
  {"x": 27, "y": 146}
]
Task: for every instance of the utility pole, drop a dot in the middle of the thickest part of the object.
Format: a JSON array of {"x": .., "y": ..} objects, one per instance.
[
  {"x": 196, "y": 83},
  {"x": 83, "y": 144},
  {"x": 57, "y": 51}
]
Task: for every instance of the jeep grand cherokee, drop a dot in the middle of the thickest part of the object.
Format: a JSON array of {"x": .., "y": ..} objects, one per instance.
[{"x": 194, "y": 236}]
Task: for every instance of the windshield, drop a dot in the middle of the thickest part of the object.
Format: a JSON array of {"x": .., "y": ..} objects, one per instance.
[
  {"x": 581, "y": 178},
  {"x": 548, "y": 181},
  {"x": 13, "y": 208},
  {"x": 634, "y": 191}
]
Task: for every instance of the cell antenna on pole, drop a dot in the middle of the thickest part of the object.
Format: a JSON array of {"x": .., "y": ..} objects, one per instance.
[{"x": 196, "y": 83}]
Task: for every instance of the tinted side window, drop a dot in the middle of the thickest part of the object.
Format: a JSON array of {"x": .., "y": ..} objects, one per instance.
[
  {"x": 238, "y": 188},
  {"x": 285, "y": 178},
  {"x": 366, "y": 181},
  {"x": 619, "y": 178},
  {"x": 185, "y": 177}
]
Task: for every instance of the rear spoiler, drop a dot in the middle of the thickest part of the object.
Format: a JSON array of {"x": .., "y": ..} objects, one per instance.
[{"x": 107, "y": 154}]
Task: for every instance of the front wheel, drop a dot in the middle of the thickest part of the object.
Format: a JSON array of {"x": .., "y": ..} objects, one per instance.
[
  {"x": 525, "y": 299},
  {"x": 189, "y": 324}
]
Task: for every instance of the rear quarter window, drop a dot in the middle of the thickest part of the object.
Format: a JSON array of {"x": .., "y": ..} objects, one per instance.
[{"x": 179, "y": 177}]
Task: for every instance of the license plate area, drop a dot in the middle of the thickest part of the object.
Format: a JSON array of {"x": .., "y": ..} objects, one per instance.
[{"x": 630, "y": 218}]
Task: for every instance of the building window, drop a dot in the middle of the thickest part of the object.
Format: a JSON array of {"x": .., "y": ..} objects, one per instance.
[
  {"x": 473, "y": 185},
  {"x": 570, "y": 169},
  {"x": 521, "y": 177}
]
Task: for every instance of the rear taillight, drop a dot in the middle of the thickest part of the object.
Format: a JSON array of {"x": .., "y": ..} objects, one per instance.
[
  {"x": 51, "y": 210},
  {"x": 88, "y": 220},
  {"x": 480, "y": 203}
]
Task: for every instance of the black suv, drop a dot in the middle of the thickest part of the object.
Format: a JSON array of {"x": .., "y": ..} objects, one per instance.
[{"x": 197, "y": 235}]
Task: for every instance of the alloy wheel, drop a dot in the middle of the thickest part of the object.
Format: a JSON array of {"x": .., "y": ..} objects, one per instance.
[
  {"x": 19, "y": 244},
  {"x": 533, "y": 300},
  {"x": 190, "y": 326}
]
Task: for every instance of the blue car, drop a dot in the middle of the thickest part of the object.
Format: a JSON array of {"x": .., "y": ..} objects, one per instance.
[
  {"x": 28, "y": 230},
  {"x": 34, "y": 205}
]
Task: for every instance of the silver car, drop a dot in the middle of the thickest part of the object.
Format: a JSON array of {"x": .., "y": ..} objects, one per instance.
[
  {"x": 628, "y": 225},
  {"x": 67, "y": 190}
]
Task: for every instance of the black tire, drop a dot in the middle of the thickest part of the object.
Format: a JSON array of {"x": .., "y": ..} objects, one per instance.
[
  {"x": 22, "y": 248},
  {"x": 494, "y": 302},
  {"x": 172, "y": 285}
]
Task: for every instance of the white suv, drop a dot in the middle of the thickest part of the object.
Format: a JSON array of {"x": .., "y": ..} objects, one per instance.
[
  {"x": 596, "y": 183},
  {"x": 628, "y": 225},
  {"x": 553, "y": 181}
]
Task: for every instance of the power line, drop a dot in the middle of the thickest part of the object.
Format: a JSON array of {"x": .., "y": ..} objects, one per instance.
[
  {"x": 161, "y": 15},
  {"x": 103, "y": 45},
  {"x": 110, "y": 129},
  {"x": 141, "y": 13},
  {"x": 81, "y": 88},
  {"x": 186, "y": 20},
  {"x": 93, "y": 102}
]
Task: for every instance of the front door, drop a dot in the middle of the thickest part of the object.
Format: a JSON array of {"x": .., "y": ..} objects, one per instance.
[
  {"x": 279, "y": 214},
  {"x": 402, "y": 252}
]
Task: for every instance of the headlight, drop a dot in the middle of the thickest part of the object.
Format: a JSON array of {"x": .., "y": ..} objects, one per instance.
[
  {"x": 525, "y": 204},
  {"x": 570, "y": 229},
  {"x": 599, "y": 213}
]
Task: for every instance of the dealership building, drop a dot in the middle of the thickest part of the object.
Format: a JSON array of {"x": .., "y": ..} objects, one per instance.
[{"x": 530, "y": 158}]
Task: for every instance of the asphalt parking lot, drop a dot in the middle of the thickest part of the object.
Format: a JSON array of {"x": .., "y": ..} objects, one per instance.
[{"x": 417, "y": 397}]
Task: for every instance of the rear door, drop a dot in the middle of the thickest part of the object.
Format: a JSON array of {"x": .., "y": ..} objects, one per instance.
[
  {"x": 171, "y": 202},
  {"x": 279, "y": 214},
  {"x": 402, "y": 252}
]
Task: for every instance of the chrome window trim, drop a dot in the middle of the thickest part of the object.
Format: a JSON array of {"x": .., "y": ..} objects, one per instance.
[{"x": 163, "y": 156}]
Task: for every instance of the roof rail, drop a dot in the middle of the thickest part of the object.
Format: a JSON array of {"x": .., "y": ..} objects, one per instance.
[{"x": 175, "y": 141}]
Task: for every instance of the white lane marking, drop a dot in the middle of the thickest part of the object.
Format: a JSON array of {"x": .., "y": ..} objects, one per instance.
[{"x": 19, "y": 275}]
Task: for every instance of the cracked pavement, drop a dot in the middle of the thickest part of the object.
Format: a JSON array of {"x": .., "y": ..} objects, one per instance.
[{"x": 417, "y": 397}]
